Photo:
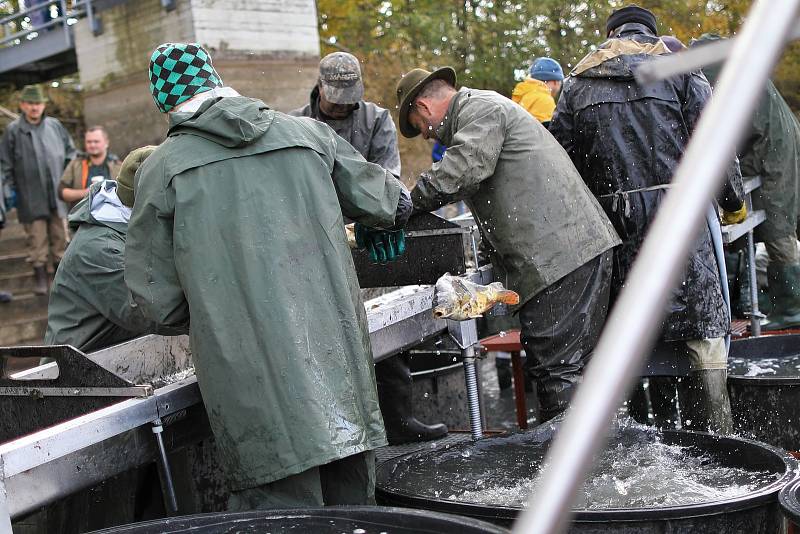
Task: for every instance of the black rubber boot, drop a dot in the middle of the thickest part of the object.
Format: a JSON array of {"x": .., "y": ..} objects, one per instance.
[
  {"x": 6, "y": 297},
  {"x": 784, "y": 290},
  {"x": 394, "y": 394},
  {"x": 503, "y": 367},
  {"x": 40, "y": 273},
  {"x": 705, "y": 405}
]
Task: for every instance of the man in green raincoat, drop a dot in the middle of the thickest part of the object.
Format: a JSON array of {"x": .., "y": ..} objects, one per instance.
[
  {"x": 238, "y": 223},
  {"x": 90, "y": 306},
  {"x": 771, "y": 150},
  {"x": 547, "y": 237}
]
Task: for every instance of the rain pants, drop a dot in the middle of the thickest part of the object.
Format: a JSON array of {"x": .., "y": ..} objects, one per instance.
[{"x": 238, "y": 224}]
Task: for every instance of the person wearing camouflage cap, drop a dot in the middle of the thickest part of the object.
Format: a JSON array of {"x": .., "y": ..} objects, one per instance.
[
  {"x": 337, "y": 100},
  {"x": 238, "y": 224},
  {"x": 90, "y": 306},
  {"x": 34, "y": 151}
]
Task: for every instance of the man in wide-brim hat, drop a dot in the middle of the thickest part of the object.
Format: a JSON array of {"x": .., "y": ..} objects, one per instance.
[
  {"x": 547, "y": 237},
  {"x": 34, "y": 151}
]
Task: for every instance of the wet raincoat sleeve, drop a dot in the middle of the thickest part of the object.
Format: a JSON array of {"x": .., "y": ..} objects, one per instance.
[
  {"x": 150, "y": 271},
  {"x": 562, "y": 125},
  {"x": 470, "y": 159},
  {"x": 383, "y": 149},
  {"x": 367, "y": 193},
  {"x": 696, "y": 95}
]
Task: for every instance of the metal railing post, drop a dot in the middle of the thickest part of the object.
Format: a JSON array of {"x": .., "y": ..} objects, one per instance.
[
  {"x": 5, "y": 512},
  {"x": 636, "y": 318}
]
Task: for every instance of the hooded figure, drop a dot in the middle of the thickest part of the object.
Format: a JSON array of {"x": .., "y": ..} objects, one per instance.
[
  {"x": 626, "y": 141},
  {"x": 238, "y": 223},
  {"x": 771, "y": 150},
  {"x": 90, "y": 306}
]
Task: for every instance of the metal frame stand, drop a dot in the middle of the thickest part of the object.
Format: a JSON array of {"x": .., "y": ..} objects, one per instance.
[
  {"x": 168, "y": 486},
  {"x": 465, "y": 334},
  {"x": 755, "y": 314}
]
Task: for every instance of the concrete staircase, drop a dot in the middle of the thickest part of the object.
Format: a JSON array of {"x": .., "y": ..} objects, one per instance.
[{"x": 23, "y": 321}]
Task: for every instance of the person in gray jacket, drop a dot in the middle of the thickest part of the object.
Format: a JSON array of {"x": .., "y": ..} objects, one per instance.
[
  {"x": 547, "y": 237},
  {"x": 338, "y": 101}
]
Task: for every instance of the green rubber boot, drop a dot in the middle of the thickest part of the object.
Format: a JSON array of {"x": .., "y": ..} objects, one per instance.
[{"x": 784, "y": 290}]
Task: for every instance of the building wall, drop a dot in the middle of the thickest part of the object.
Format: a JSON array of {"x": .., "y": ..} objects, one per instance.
[{"x": 263, "y": 48}]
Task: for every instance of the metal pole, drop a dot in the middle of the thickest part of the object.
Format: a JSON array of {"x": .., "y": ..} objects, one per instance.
[
  {"x": 636, "y": 318},
  {"x": 755, "y": 314},
  {"x": 170, "y": 499},
  {"x": 473, "y": 399}
]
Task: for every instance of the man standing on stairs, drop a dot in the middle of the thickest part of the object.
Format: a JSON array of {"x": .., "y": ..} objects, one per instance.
[
  {"x": 96, "y": 164},
  {"x": 338, "y": 101},
  {"x": 33, "y": 153}
]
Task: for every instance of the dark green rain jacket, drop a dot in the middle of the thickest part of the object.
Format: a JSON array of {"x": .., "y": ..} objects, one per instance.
[
  {"x": 238, "y": 223},
  {"x": 535, "y": 214},
  {"x": 90, "y": 306},
  {"x": 770, "y": 149}
]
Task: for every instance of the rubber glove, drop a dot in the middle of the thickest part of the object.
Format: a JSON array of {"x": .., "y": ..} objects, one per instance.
[
  {"x": 383, "y": 245},
  {"x": 734, "y": 217}
]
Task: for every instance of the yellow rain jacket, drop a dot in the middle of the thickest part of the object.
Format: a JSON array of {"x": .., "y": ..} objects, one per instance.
[{"x": 535, "y": 97}]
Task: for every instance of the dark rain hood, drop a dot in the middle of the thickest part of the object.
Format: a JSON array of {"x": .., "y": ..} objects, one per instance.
[{"x": 626, "y": 140}]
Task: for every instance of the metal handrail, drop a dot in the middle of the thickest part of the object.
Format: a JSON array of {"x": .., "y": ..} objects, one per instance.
[
  {"x": 636, "y": 318},
  {"x": 79, "y": 9}
]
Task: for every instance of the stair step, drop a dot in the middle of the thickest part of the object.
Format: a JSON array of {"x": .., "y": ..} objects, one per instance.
[
  {"x": 26, "y": 332},
  {"x": 14, "y": 264},
  {"x": 18, "y": 283},
  {"x": 12, "y": 230},
  {"x": 25, "y": 306},
  {"x": 13, "y": 245}
]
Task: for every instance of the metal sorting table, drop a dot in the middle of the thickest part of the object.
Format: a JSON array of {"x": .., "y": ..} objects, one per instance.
[{"x": 53, "y": 462}]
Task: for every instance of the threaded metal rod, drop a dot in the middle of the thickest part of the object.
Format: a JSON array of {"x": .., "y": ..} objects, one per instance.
[{"x": 473, "y": 400}]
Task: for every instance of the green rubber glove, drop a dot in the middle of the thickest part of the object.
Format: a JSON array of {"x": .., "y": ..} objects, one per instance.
[{"x": 383, "y": 245}]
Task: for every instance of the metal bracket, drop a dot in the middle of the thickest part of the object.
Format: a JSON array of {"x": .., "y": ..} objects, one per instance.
[
  {"x": 464, "y": 333},
  {"x": 39, "y": 392}
]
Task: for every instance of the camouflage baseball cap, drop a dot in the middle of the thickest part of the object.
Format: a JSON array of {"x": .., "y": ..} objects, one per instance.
[{"x": 340, "y": 78}]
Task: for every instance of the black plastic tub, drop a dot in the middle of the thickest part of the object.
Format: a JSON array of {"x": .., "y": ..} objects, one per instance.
[
  {"x": 766, "y": 408},
  {"x": 790, "y": 503},
  {"x": 333, "y": 520},
  {"x": 754, "y": 512}
]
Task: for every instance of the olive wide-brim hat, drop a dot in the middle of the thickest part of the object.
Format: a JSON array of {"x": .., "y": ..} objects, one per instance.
[{"x": 409, "y": 87}]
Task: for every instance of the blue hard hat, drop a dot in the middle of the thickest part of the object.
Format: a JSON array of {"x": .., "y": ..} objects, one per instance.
[{"x": 546, "y": 69}]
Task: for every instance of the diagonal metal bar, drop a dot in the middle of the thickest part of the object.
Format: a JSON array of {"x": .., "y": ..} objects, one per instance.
[
  {"x": 673, "y": 64},
  {"x": 636, "y": 318}
]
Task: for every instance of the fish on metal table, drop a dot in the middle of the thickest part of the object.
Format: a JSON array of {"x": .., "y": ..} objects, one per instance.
[{"x": 460, "y": 299}]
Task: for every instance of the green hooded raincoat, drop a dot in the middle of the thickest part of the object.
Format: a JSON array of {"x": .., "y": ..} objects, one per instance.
[
  {"x": 238, "y": 223},
  {"x": 90, "y": 306}
]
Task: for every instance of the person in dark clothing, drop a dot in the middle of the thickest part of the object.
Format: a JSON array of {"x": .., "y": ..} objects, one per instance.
[
  {"x": 626, "y": 141},
  {"x": 337, "y": 100},
  {"x": 771, "y": 150}
]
